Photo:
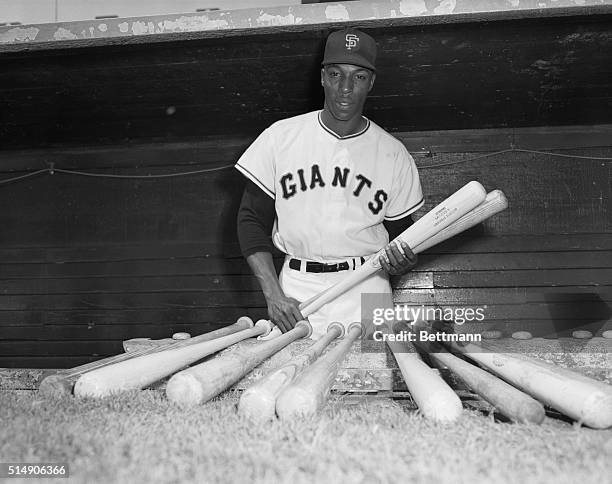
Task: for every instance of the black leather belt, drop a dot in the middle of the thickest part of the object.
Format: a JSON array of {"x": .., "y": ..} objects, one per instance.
[{"x": 296, "y": 264}]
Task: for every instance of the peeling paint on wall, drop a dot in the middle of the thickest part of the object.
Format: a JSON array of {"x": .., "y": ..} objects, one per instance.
[
  {"x": 412, "y": 7},
  {"x": 267, "y": 19},
  {"x": 445, "y": 7},
  {"x": 337, "y": 12},
  {"x": 139, "y": 28},
  {"x": 64, "y": 34},
  {"x": 192, "y": 24},
  {"x": 311, "y": 14},
  {"x": 19, "y": 34}
]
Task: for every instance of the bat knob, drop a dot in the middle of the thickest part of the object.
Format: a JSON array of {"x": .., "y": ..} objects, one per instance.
[
  {"x": 267, "y": 325},
  {"x": 181, "y": 336},
  {"x": 340, "y": 328},
  {"x": 354, "y": 327},
  {"x": 129, "y": 344},
  {"x": 376, "y": 259},
  {"x": 307, "y": 325},
  {"x": 246, "y": 320}
]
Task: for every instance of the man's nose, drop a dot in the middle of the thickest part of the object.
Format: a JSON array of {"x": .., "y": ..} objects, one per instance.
[{"x": 346, "y": 84}]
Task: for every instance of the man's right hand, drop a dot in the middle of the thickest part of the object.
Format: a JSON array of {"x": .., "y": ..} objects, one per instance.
[{"x": 284, "y": 312}]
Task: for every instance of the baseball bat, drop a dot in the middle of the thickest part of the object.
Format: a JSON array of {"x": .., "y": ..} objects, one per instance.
[
  {"x": 508, "y": 400},
  {"x": 62, "y": 382},
  {"x": 112, "y": 359},
  {"x": 258, "y": 402},
  {"x": 584, "y": 399},
  {"x": 435, "y": 399},
  {"x": 310, "y": 390},
  {"x": 144, "y": 370},
  {"x": 494, "y": 202},
  {"x": 202, "y": 382},
  {"x": 442, "y": 215}
]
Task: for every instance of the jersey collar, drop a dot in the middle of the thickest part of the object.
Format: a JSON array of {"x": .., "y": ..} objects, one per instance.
[{"x": 354, "y": 135}]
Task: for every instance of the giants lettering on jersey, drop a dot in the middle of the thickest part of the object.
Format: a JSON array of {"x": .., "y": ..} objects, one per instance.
[{"x": 301, "y": 181}]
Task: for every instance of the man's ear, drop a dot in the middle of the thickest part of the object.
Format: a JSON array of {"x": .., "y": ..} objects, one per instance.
[
  {"x": 373, "y": 78},
  {"x": 322, "y": 76}
]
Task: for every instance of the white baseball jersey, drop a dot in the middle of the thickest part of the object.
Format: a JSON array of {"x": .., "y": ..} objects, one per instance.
[{"x": 332, "y": 193}]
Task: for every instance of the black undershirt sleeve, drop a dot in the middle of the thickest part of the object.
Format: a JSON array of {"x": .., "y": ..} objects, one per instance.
[
  {"x": 255, "y": 220},
  {"x": 396, "y": 227}
]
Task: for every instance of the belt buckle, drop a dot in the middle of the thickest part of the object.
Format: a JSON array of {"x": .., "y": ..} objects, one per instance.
[{"x": 343, "y": 266}]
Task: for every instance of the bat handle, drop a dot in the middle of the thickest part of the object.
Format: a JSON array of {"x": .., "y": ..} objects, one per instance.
[
  {"x": 338, "y": 328},
  {"x": 266, "y": 326},
  {"x": 375, "y": 259}
]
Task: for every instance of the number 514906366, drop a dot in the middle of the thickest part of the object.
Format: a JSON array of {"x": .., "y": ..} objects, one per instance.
[{"x": 8, "y": 470}]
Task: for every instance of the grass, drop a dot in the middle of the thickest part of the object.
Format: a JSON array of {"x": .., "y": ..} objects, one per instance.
[{"x": 142, "y": 438}]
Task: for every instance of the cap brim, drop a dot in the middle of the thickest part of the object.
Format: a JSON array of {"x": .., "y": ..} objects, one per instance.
[{"x": 353, "y": 62}]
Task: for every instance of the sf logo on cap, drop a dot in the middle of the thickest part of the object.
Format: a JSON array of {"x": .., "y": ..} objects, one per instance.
[{"x": 351, "y": 41}]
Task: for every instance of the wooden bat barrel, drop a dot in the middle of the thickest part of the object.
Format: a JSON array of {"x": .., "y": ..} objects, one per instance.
[
  {"x": 508, "y": 400},
  {"x": 144, "y": 370},
  {"x": 582, "y": 398},
  {"x": 202, "y": 382},
  {"x": 435, "y": 399},
  {"x": 310, "y": 390},
  {"x": 258, "y": 402},
  {"x": 494, "y": 202},
  {"x": 57, "y": 385}
]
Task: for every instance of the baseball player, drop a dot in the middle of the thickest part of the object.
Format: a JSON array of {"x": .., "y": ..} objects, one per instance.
[{"x": 331, "y": 187}]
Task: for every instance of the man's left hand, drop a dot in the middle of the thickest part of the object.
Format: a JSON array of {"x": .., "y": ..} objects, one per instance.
[{"x": 397, "y": 262}]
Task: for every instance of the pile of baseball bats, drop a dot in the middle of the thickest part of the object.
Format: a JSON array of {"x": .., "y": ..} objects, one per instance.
[{"x": 301, "y": 387}]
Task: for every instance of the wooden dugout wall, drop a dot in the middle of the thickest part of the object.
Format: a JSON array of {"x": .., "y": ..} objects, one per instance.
[{"x": 86, "y": 262}]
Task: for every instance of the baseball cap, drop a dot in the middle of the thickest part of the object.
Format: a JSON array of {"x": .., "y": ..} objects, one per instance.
[{"x": 350, "y": 46}]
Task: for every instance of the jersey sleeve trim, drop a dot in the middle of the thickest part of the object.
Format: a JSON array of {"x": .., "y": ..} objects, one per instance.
[
  {"x": 255, "y": 180},
  {"x": 406, "y": 212}
]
